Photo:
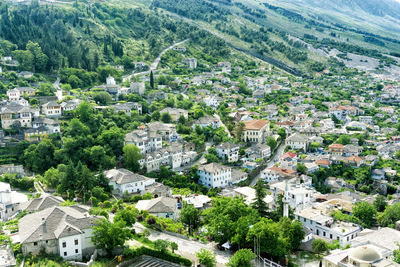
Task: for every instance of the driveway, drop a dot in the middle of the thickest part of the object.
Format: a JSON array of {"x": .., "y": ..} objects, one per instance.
[{"x": 187, "y": 248}]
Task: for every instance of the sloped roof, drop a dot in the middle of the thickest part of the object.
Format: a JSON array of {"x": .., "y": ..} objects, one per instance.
[
  {"x": 158, "y": 205},
  {"x": 255, "y": 124},
  {"x": 43, "y": 202},
  {"x": 213, "y": 167},
  {"x": 54, "y": 223},
  {"x": 123, "y": 176}
]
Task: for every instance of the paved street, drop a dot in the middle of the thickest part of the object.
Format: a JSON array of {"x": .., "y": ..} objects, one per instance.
[{"x": 187, "y": 248}]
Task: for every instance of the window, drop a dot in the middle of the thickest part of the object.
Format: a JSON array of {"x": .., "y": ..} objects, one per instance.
[
  {"x": 76, "y": 241},
  {"x": 65, "y": 254},
  {"x": 76, "y": 251},
  {"x": 64, "y": 244},
  {"x": 35, "y": 243}
]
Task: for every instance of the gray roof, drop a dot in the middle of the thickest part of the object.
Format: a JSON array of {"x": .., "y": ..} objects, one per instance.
[
  {"x": 213, "y": 167},
  {"x": 297, "y": 138},
  {"x": 43, "y": 202},
  {"x": 46, "y": 121},
  {"x": 123, "y": 176},
  {"x": 54, "y": 223},
  {"x": 228, "y": 145},
  {"x": 158, "y": 205}
]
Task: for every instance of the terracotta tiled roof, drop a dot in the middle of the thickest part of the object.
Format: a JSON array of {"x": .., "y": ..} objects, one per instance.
[{"x": 255, "y": 124}]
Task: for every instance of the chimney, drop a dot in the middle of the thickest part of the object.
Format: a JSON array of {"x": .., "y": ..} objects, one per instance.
[{"x": 44, "y": 225}]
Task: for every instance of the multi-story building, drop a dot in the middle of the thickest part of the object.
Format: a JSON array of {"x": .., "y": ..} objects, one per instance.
[
  {"x": 214, "y": 175},
  {"x": 9, "y": 201},
  {"x": 123, "y": 181},
  {"x": 317, "y": 218},
  {"x": 145, "y": 140},
  {"x": 36, "y": 134},
  {"x": 137, "y": 88},
  {"x": 53, "y": 126},
  {"x": 52, "y": 109},
  {"x": 255, "y": 131},
  {"x": 298, "y": 141},
  {"x": 17, "y": 115},
  {"x": 228, "y": 151},
  {"x": 64, "y": 231}
]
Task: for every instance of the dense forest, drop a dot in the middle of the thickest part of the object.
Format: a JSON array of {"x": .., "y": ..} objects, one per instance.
[{"x": 83, "y": 36}]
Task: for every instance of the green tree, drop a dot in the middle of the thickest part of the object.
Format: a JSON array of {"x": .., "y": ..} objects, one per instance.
[
  {"x": 282, "y": 133},
  {"x": 24, "y": 58},
  {"x": 390, "y": 216},
  {"x": 39, "y": 58},
  {"x": 161, "y": 245},
  {"x": 396, "y": 254},
  {"x": 206, "y": 257},
  {"x": 166, "y": 117},
  {"x": 107, "y": 235},
  {"x": 102, "y": 98},
  {"x": 366, "y": 213},
  {"x": 173, "y": 246},
  {"x": 156, "y": 115},
  {"x": 268, "y": 234},
  {"x": 301, "y": 168},
  {"x": 259, "y": 203},
  {"x": 127, "y": 215},
  {"x": 222, "y": 219},
  {"x": 52, "y": 177},
  {"x": 320, "y": 246},
  {"x": 151, "y": 80},
  {"x": 242, "y": 258},
  {"x": 380, "y": 203},
  {"x": 190, "y": 216},
  {"x": 131, "y": 156},
  {"x": 271, "y": 142}
]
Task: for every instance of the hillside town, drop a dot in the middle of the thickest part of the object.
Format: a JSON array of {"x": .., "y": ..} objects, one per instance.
[{"x": 189, "y": 160}]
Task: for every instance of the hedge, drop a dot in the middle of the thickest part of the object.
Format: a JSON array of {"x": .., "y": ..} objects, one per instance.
[{"x": 134, "y": 253}]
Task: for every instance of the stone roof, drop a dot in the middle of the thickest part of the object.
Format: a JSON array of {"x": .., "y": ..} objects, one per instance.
[
  {"x": 123, "y": 176},
  {"x": 46, "y": 121},
  {"x": 297, "y": 138},
  {"x": 228, "y": 145},
  {"x": 158, "y": 205},
  {"x": 213, "y": 167},
  {"x": 54, "y": 223},
  {"x": 43, "y": 202}
]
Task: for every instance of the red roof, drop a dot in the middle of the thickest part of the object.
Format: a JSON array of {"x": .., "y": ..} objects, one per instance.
[
  {"x": 289, "y": 154},
  {"x": 336, "y": 146}
]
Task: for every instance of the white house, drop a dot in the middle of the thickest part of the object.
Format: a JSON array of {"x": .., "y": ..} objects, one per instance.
[
  {"x": 317, "y": 218},
  {"x": 228, "y": 151},
  {"x": 146, "y": 141},
  {"x": 64, "y": 231},
  {"x": 214, "y": 175},
  {"x": 9, "y": 201},
  {"x": 123, "y": 180},
  {"x": 165, "y": 207},
  {"x": 52, "y": 109},
  {"x": 297, "y": 141}
]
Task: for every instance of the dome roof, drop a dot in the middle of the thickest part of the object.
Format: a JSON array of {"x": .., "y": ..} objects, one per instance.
[{"x": 365, "y": 254}]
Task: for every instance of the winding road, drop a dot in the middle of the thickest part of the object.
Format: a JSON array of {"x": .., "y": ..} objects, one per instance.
[{"x": 155, "y": 63}]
